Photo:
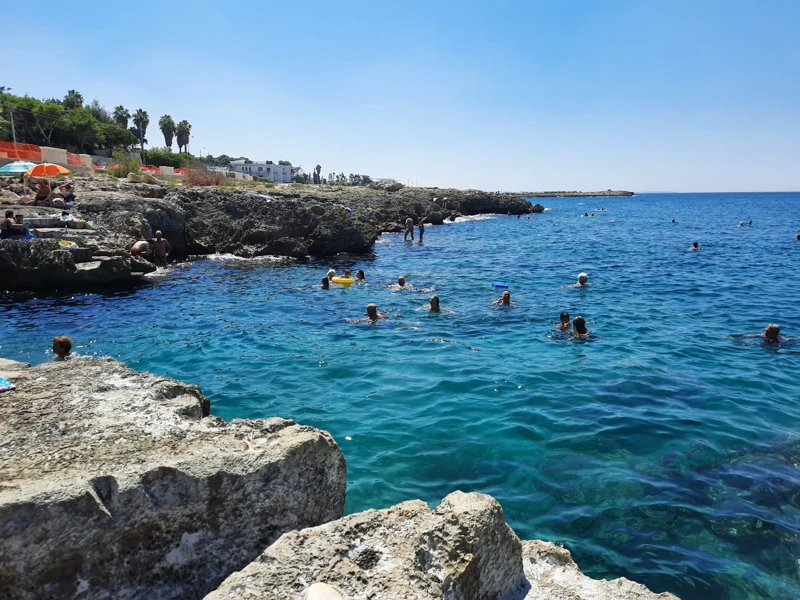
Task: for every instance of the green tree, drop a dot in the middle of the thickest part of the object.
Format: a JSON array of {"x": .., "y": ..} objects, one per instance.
[
  {"x": 121, "y": 116},
  {"x": 167, "y": 127},
  {"x": 99, "y": 112},
  {"x": 73, "y": 99},
  {"x": 84, "y": 127},
  {"x": 182, "y": 132},
  {"x": 284, "y": 162},
  {"x": 141, "y": 120},
  {"x": 116, "y": 137},
  {"x": 3, "y": 91},
  {"x": 48, "y": 118}
]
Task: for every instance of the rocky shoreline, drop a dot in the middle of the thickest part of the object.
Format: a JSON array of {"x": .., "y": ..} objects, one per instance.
[
  {"x": 294, "y": 221},
  {"x": 122, "y": 484}
]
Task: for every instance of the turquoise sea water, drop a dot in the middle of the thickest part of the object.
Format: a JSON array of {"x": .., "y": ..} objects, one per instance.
[{"x": 659, "y": 449}]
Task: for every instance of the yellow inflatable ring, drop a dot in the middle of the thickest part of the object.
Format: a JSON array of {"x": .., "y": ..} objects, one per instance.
[{"x": 342, "y": 280}]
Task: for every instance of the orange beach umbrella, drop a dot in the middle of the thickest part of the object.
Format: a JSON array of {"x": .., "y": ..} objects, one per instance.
[{"x": 47, "y": 170}]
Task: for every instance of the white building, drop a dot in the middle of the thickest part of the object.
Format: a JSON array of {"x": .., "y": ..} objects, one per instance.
[{"x": 263, "y": 169}]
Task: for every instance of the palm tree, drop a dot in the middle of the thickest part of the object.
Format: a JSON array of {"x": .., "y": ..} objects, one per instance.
[
  {"x": 3, "y": 91},
  {"x": 73, "y": 99},
  {"x": 121, "y": 116},
  {"x": 167, "y": 127},
  {"x": 317, "y": 171},
  {"x": 182, "y": 132},
  {"x": 141, "y": 119}
]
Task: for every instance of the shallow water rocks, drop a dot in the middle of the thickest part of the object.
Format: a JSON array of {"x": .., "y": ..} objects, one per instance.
[
  {"x": 118, "y": 484},
  {"x": 461, "y": 550}
]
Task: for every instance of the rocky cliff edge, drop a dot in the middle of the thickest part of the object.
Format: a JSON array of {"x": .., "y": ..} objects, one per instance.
[
  {"x": 119, "y": 484},
  {"x": 462, "y": 550}
]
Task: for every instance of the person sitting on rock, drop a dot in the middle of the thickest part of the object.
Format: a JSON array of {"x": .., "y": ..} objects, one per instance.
[
  {"x": 161, "y": 250},
  {"x": 140, "y": 248},
  {"x": 373, "y": 316},
  {"x": 62, "y": 346},
  {"x": 10, "y": 229},
  {"x": 360, "y": 276},
  {"x": 409, "y": 229}
]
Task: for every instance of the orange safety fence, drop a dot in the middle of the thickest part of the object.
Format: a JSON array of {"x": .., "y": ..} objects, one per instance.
[
  {"x": 73, "y": 159},
  {"x": 20, "y": 151},
  {"x": 178, "y": 171},
  {"x": 152, "y": 169}
]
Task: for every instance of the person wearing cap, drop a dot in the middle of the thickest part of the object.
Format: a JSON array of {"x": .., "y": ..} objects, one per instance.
[
  {"x": 161, "y": 250},
  {"x": 331, "y": 274}
]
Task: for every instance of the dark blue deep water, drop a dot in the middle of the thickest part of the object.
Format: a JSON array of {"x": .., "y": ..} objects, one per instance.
[{"x": 660, "y": 449}]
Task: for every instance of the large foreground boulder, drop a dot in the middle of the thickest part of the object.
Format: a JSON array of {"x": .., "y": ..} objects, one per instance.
[
  {"x": 462, "y": 550},
  {"x": 118, "y": 484}
]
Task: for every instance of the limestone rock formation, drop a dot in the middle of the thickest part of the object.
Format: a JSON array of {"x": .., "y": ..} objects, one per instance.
[
  {"x": 461, "y": 550},
  {"x": 118, "y": 484},
  {"x": 42, "y": 263}
]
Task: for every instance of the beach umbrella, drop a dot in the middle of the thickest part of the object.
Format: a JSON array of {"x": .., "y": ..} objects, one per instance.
[
  {"x": 47, "y": 170},
  {"x": 18, "y": 167}
]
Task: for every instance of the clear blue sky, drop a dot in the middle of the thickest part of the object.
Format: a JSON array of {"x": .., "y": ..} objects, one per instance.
[{"x": 685, "y": 95}]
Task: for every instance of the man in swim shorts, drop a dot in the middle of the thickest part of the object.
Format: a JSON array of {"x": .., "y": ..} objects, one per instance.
[
  {"x": 140, "y": 248},
  {"x": 161, "y": 250},
  {"x": 409, "y": 229}
]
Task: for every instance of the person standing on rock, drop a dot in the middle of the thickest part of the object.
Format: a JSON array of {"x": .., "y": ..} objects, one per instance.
[
  {"x": 409, "y": 229},
  {"x": 161, "y": 250}
]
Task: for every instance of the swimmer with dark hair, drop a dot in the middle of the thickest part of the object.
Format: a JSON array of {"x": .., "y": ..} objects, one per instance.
[
  {"x": 434, "y": 305},
  {"x": 360, "y": 276},
  {"x": 694, "y": 246},
  {"x": 564, "y": 324},
  {"x": 579, "y": 328},
  {"x": 373, "y": 316},
  {"x": 771, "y": 335},
  {"x": 401, "y": 284},
  {"x": 326, "y": 284}
]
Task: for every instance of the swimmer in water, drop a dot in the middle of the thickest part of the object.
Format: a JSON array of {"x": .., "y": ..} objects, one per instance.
[
  {"x": 347, "y": 274},
  {"x": 434, "y": 305},
  {"x": 331, "y": 274},
  {"x": 401, "y": 284},
  {"x": 373, "y": 316},
  {"x": 585, "y": 214},
  {"x": 694, "y": 246},
  {"x": 579, "y": 328},
  {"x": 771, "y": 335},
  {"x": 360, "y": 276},
  {"x": 62, "y": 346},
  {"x": 673, "y": 220},
  {"x": 750, "y": 223},
  {"x": 798, "y": 237},
  {"x": 583, "y": 281},
  {"x": 326, "y": 284},
  {"x": 564, "y": 323},
  {"x": 504, "y": 299},
  {"x": 741, "y": 224}
]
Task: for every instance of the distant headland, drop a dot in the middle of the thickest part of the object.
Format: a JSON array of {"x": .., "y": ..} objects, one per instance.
[{"x": 575, "y": 194}]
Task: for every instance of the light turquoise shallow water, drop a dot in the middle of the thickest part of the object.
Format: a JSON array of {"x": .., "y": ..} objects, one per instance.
[{"x": 659, "y": 449}]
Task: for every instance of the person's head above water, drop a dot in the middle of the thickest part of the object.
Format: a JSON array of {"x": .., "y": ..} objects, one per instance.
[
  {"x": 62, "y": 346},
  {"x": 401, "y": 281},
  {"x": 372, "y": 311},
  {"x": 564, "y": 318},
  {"x": 505, "y": 297},
  {"x": 695, "y": 245},
  {"x": 772, "y": 331},
  {"x": 583, "y": 278},
  {"x": 579, "y": 323},
  {"x": 331, "y": 273},
  {"x": 434, "y": 302},
  {"x": 347, "y": 273},
  {"x": 360, "y": 275}
]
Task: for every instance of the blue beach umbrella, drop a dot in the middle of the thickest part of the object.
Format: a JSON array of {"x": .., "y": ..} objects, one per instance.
[{"x": 19, "y": 167}]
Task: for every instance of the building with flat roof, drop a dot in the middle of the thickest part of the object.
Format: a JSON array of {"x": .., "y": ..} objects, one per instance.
[{"x": 263, "y": 169}]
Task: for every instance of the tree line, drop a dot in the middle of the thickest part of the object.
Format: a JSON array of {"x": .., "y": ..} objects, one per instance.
[{"x": 72, "y": 124}]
